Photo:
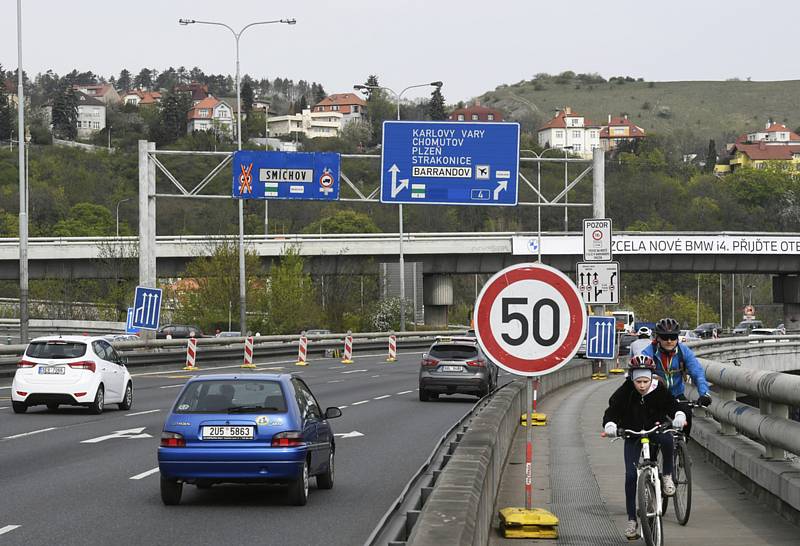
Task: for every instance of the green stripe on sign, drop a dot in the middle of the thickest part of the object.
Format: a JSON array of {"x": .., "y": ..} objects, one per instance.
[{"x": 271, "y": 186}]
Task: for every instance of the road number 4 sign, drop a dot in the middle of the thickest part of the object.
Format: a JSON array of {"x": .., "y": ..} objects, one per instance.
[{"x": 530, "y": 319}]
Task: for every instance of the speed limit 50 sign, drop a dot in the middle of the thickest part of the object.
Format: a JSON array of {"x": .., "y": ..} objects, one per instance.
[{"x": 530, "y": 319}]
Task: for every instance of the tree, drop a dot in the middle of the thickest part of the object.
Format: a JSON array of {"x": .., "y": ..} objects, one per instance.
[
  {"x": 379, "y": 108},
  {"x": 174, "y": 106},
  {"x": 86, "y": 220},
  {"x": 343, "y": 221},
  {"x": 65, "y": 112},
  {"x": 247, "y": 97},
  {"x": 7, "y": 124},
  {"x": 144, "y": 79},
  {"x": 436, "y": 110},
  {"x": 290, "y": 302},
  {"x": 711, "y": 156}
]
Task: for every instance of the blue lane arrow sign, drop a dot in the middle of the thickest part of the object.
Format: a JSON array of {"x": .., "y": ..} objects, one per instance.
[
  {"x": 129, "y": 328},
  {"x": 600, "y": 338},
  {"x": 146, "y": 308}
]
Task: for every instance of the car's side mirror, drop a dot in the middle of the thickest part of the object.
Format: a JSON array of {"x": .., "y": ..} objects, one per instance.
[
  {"x": 123, "y": 360},
  {"x": 332, "y": 413},
  {"x": 424, "y": 356}
]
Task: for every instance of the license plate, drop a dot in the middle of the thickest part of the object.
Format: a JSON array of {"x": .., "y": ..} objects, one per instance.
[
  {"x": 227, "y": 432},
  {"x": 452, "y": 368},
  {"x": 50, "y": 370}
]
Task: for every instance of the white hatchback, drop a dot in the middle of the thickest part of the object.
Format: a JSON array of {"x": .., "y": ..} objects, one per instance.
[{"x": 73, "y": 371}]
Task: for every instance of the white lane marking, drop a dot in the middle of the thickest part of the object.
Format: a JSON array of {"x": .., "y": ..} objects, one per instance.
[
  {"x": 337, "y": 381},
  {"x": 376, "y": 375},
  {"x": 354, "y": 434},
  {"x": 354, "y": 371},
  {"x": 29, "y": 433},
  {"x": 130, "y": 434},
  {"x": 340, "y": 407},
  {"x": 382, "y": 397},
  {"x": 144, "y": 474},
  {"x": 141, "y": 412},
  {"x": 337, "y": 367},
  {"x": 204, "y": 369},
  {"x": 358, "y": 403},
  {"x": 4, "y": 407},
  {"x": 7, "y": 528},
  {"x": 404, "y": 392},
  {"x": 5, "y": 387},
  {"x": 172, "y": 386}
]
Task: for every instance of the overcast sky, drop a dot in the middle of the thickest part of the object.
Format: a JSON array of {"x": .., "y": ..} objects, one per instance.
[{"x": 471, "y": 46}]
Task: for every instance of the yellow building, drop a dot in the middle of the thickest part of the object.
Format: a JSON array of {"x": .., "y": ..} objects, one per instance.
[{"x": 774, "y": 147}]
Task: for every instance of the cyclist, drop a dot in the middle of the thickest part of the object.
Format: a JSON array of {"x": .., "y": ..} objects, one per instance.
[
  {"x": 639, "y": 404},
  {"x": 645, "y": 334},
  {"x": 673, "y": 361}
]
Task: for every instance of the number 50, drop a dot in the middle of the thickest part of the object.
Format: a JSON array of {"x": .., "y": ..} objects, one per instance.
[{"x": 536, "y": 321}]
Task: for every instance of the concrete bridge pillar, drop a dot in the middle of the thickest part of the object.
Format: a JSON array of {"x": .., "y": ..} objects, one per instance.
[
  {"x": 786, "y": 290},
  {"x": 437, "y": 294}
]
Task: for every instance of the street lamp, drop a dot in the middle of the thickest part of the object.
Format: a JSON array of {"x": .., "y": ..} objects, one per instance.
[
  {"x": 118, "y": 204},
  {"x": 23, "y": 189},
  {"x": 750, "y": 293},
  {"x": 109, "y": 138},
  {"x": 365, "y": 89},
  {"x": 236, "y": 36}
]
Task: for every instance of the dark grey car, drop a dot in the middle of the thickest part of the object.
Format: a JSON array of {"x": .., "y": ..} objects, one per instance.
[{"x": 456, "y": 365}]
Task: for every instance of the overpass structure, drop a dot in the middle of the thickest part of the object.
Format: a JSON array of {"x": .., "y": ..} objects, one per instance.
[{"x": 441, "y": 255}]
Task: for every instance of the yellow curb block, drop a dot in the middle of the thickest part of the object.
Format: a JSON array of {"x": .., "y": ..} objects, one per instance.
[
  {"x": 248, "y": 366},
  {"x": 347, "y": 361},
  {"x": 599, "y": 376},
  {"x": 190, "y": 368},
  {"x": 539, "y": 419},
  {"x": 616, "y": 370},
  {"x": 522, "y": 523},
  {"x": 301, "y": 363}
]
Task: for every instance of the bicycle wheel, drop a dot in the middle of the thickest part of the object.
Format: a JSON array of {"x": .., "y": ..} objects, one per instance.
[
  {"x": 647, "y": 509},
  {"x": 683, "y": 483},
  {"x": 664, "y": 498}
]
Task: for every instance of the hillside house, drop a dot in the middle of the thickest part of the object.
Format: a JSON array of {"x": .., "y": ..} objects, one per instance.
[
  {"x": 307, "y": 123},
  {"x": 139, "y": 97},
  {"x": 569, "y": 130},
  {"x": 91, "y": 115},
  {"x": 775, "y": 146},
  {"x": 349, "y": 105},
  {"x": 102, "y": 91},
  {"x": 476, "y": 112},
  {"x": 210, "y": 113},
  {"x": 619, "y": 130}
]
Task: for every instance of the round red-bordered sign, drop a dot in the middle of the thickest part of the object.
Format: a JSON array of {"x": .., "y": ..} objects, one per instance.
[
  {"x": 597, "y": 235},
  {"x": 326, "y": 180},
  {"x": 530, "y": 319}
]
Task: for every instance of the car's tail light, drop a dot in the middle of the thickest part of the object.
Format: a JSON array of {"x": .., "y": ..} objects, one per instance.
[
  {"x": 83, "y": 365},
  {"x": 172, "y": 439},
  {"x": 25, "y": 364},
  {"x": 429, "y": 362},
  {"x": 288, "y": 439},
  {"x": 22, "y": 393},
  {"x": 477, "y": 363},
  {"x": 78, "y": 394}
]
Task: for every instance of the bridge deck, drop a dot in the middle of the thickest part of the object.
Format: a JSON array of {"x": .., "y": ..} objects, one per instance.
[{"x": 579, "y": 477}]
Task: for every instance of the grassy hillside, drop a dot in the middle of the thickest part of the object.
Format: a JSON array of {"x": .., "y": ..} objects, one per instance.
[{"x": 694, "y": 110}]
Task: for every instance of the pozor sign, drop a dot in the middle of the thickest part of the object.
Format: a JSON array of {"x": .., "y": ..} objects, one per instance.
[{"x": 530, "y": 319}]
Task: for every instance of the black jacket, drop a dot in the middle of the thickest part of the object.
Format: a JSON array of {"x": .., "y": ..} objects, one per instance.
[{"x": 630, "y": 410}]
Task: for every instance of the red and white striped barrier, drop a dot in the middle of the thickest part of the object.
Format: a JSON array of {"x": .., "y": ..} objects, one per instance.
[
  {"x": 248, "y": 353},
  {"x": 191, "y": 354},
  {"x": 348, "y": 349},
  {"x": 302, "y": 351},
  {"x": 392, "y": 348}
]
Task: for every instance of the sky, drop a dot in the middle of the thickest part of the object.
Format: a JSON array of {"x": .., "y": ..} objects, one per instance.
[{"x": 471, "y": 46}]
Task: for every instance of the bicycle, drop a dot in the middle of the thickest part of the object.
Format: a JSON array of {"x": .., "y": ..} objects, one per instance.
[
  {"x": 649, "y": 499},
  {"x": 682, "y": 474}
]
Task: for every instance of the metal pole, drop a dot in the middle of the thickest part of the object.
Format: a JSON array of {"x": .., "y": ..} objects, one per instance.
[
  {"x": 720, "y": 300},
  {"x": 402, "y": 260},
  {"x": 599, "y": 185},
  {"x": 266, "y": 148},
  {"x": 733, "y": 300},
  {"x": 529, "y": 446},
  {"x": 242, "y": 280},
  {"x": 566, "y": 195},
  {"x": 539, "y": 211},
  {"x": 23, "y": 190},
  {"x": 698, "y": 300}
]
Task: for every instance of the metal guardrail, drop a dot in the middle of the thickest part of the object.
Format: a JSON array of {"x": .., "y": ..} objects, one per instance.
[{"x": 769, "y": 423}]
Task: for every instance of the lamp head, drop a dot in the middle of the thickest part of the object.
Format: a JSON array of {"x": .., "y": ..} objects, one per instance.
[
  {"x": 185, "y": 22},
  {"x": 437, "y": 84},
  {"x": 291, "y": 21}
]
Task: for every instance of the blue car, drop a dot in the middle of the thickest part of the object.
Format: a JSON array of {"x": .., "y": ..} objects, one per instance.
[{"x": 255, "y": 428}]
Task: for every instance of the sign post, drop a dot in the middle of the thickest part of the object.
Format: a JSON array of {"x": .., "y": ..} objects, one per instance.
[{"x": 530, "y": 320}]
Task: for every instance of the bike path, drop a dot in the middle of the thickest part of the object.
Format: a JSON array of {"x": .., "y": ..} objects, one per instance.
[{"x": 579, "y": 477}]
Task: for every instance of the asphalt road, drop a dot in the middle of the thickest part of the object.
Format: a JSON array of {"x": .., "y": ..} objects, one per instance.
[{"x": 57, "y": 488}]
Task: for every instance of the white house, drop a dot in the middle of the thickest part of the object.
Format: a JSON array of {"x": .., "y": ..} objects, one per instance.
[
  {"x": 91, "y": 115},
  {"x": 210, "y": 113},
  {"x": 351, "y": 106},
  {"x": 308, "y": 123},
  {"x": 774, "y": 133},
  {"x": 571, "y": 131}
]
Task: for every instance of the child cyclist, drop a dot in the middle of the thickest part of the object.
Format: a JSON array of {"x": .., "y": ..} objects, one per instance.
[{"x": 639, "y": 404}]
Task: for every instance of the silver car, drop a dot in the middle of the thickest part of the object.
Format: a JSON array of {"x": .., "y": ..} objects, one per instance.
[{"x": 456, "y": 365}]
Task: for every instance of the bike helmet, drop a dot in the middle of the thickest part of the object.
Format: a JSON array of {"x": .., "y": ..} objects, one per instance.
[
  {"x": 668, "y": 326},
  {"x": 641, "y": 362},
  {"x": 644, "y": 331}
]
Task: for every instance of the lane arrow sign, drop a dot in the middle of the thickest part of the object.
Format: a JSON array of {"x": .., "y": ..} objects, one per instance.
[
  {"x": 354, "y": 434},
  {"x": 502, "y": 185},
  {"x": 130, "y": 433},
  {"x": 397, "y": 188}
]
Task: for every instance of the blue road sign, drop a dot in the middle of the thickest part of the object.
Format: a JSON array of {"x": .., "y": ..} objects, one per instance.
[
  {"x": 600, "y": 338},
  {"x": 286, "y": 175},
  {"x": 441, "y": 163},
  {"x": 129, "y": 327},
  {"x": 146, "y": 308}
]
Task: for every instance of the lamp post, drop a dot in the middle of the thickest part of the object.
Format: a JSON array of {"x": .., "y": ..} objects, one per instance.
[
  {"x": 109, "y": 138},
  {"x": 566, "y": 184},
  {"x": 266, "y": 147},
  {"x": 23, "y": 190},
  {"x": 118, "y": 204},
  {"x": 236, "y": 36},
  {"x": 365, "y": 88},
  {"x": 750, "y": 293}
]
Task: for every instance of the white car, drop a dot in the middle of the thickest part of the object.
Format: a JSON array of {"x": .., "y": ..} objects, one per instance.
[
  {"x": 73, "y": 371},
  {"x": 687, "y": 336}
]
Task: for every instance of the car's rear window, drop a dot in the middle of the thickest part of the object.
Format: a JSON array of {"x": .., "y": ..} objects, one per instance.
[
  {"x": 454, "y": 352},
  {"x": 55, "y": 349},
  {"x": 232, "y": 396}
]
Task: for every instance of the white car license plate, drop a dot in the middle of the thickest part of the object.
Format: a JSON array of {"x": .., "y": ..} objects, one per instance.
[
  {"x": 452, "y": 368},
  {"x": 48, "y": 370},
  {"x": 227, "y": 432}
]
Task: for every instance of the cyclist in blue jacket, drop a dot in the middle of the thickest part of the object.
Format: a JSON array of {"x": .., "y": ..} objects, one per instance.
[{"x": 674, "y": 360}]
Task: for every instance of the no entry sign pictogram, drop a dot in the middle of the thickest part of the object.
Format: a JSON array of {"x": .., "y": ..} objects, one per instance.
[{"x": 530, "y": 319}]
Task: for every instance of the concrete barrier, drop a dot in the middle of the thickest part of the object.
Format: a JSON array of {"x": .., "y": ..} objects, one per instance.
[{"x": 461, "y": 507}]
